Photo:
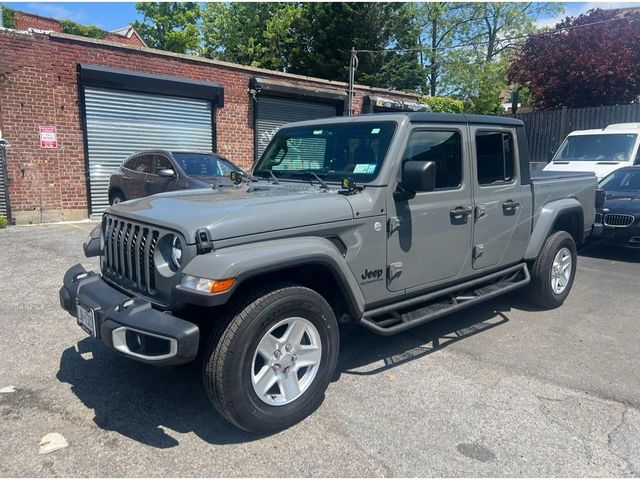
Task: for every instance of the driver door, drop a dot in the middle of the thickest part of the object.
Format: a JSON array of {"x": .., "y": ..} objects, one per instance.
[
  {"x": 430, "y": 234},
  {"x": 157, "y": 184}
]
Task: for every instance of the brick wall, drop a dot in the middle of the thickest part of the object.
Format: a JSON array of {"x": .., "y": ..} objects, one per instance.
[
  {"x": 39, "y": 86},
  {"x": 24, "y": 21}
]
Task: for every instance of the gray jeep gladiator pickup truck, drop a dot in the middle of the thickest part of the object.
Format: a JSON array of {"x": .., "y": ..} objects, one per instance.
[{"x": 388, "y": 221}]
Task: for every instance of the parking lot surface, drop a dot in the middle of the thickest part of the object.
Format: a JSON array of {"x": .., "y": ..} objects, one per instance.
[{"x": 497, "y": 390}]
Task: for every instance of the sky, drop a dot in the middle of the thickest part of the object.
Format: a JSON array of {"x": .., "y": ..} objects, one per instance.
[{"x": 112, "y": 15}]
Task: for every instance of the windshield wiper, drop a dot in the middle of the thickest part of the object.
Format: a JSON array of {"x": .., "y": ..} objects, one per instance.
[
  {"x": 273, "y": 177},
  {"x": 322, "y": 183}
]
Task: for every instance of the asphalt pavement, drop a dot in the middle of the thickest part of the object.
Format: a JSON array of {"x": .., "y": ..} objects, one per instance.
[{"x": 497, "y": 390}]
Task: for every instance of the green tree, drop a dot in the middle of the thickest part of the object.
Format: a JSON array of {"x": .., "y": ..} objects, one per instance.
[
  {"x": 171, "y": 26},
  {"x": 440, "y": 23},
  {"x": 256, "y": 34},
  {"x": 74, "y": 28},
  {"x": 7, "y": 17},
  {"x": 477, "y": 70}
]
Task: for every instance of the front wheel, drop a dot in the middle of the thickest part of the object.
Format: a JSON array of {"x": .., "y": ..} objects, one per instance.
[
  {"x": 270, "y": 366},
  {"x": 553, "y": 271}
]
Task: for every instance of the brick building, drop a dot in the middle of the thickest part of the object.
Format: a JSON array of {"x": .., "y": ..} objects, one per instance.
[
  {"x": 24, "y": 21},
  {"x": 72, "y": 108}
]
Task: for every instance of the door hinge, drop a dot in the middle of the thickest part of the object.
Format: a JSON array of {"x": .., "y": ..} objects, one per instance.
[
  {"x": 394, "y": 270},
  {"x": 479, "y": 212},
  {"x": 393, "y": 224},
  {"x": 478, "y": 250}
]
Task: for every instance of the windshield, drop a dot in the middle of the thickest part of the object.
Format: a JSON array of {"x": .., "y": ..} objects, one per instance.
[
  {"x": 612, "y": 147},
  {"x": 332, "y": 152},
  {"x": 203, "y": 165},
  {"x": 622, "y": 180}
]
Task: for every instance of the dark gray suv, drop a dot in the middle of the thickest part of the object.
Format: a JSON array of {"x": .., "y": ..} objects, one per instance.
[{"x": 154, "y": 171}]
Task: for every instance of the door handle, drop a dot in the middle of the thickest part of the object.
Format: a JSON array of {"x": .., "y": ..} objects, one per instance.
[
  {"x": 510, "y": 204},
  {"x": 461, "y": 211}
]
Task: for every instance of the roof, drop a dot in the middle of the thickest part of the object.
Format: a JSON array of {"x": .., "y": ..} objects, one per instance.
[
  {"x": 419, "y": 117},
  {"x": 193, "y": 58},
  {"x": 616, "y": 128}
]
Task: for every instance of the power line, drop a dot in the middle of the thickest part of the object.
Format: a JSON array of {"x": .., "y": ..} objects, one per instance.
[{"x": 474, "y": 44}]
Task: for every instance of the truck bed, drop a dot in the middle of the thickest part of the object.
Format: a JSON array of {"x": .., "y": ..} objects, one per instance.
[{"x": 547, "y": 187}]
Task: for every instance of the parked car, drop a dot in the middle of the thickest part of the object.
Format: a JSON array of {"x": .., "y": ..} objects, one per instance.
[
  {"x": 153, "y": 171},
  {"x": 387, "y": 221},
  {"x": 620, "y": 214},
  {"x": 598, "y": 151}
]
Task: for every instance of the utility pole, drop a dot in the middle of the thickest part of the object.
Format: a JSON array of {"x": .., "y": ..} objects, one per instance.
[
  {"x": 353, "y": 65},
  {"x": 1, "y": 17}
]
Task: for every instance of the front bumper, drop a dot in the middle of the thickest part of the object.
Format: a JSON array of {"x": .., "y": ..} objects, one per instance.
[{"x": 129, "y": 325}]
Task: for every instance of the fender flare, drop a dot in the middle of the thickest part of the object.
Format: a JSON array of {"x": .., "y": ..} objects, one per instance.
[
  {"x": 544, "y": 223},
  {"x": 244, "y": 262}
]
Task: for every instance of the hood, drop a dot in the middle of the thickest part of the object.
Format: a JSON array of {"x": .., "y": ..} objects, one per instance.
[
  {"x": 601, "y": 169},
  {"x": 238, "y": 210},
  {"x": 623, "y": 202}
]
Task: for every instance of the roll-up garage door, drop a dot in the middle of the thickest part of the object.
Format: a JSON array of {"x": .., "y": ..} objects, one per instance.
[
  {"x": 4, "y": 194},
  {"x": 119, "y": 123},
  {"x": 273, "y": 112}
]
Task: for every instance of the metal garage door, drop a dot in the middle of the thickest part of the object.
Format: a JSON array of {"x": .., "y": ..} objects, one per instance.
[
  {"x": 120, "y": 123},
  {"x": 4, "y": 194},
  {"x": 273, "y": 112}
]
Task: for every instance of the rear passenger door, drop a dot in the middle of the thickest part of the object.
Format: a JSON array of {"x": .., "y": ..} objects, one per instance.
[
  {"x": 134, "y": 175},
  {"x": 499, "y": 233}
]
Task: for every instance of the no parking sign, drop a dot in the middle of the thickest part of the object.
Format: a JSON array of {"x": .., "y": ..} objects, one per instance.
[{"x": 48, "y": 137}]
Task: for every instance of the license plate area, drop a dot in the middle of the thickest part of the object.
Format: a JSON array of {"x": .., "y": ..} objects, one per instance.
[{"x": 86, "y": 319}]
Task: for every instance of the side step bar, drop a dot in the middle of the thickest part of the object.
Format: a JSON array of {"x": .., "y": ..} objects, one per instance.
[{"x": 401, "y": 316}]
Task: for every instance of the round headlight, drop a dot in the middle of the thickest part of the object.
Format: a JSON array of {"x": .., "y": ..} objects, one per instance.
[{"x": 176, "y": 251}]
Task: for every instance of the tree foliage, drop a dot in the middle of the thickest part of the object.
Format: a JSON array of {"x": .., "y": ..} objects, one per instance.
[
  {"x": 171, "y": 26},
  {"x": 315, "y": 39},
  {"x": 7, "y": 17},
  {"x": 586, "y": 66},
  {"x": 74, "y": 28},
  {"x": 443, "y": 104},
  {"x": 249, "y": 33}
]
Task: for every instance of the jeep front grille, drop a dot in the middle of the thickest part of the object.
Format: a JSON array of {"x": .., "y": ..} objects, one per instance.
[
  {"x": 128, "y": 253},
  {"x": 618, "y": 220}
]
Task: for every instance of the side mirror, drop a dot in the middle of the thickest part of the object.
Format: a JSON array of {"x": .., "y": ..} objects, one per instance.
[
  {"x": 601, "y": 196},
  {"x": 166, "y": 172},
  {"x": 418, "y": 176}
]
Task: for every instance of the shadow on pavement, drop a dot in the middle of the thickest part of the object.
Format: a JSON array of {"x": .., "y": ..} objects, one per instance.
[
  {"x": 599, "y": 249},
  {"x": 147, "y": 403},
  {"x": 138, "y": 400}
]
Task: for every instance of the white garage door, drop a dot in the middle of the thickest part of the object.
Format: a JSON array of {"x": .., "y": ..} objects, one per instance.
[
  {"x": 120, "y": 123},
  {"x": 273, "y": 112}
]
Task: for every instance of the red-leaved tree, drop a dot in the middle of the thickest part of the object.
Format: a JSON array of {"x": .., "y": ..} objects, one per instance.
[{"x": 589, "y": 60}]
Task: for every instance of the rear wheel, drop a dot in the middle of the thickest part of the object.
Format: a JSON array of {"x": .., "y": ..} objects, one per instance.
[
  {"x": 116, "y": 197},
  {"x": 270, "y": 366},
  {"x": 553, "y": 271}
]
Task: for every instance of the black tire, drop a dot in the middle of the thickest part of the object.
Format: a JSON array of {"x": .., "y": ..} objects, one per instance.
[
  {"x": 540, "y": 291},
  {"x": 116, "y": 197},
  {"x": 229, "y": 357}
]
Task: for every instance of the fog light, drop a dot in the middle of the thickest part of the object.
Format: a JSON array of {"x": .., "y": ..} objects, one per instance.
[{"x": 206, "y": 285}]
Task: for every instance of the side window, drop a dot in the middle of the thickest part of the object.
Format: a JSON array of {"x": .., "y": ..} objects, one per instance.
[
  {"x": 443, "y": 148},
  {"x": 132, "y": 164},
  {"x": 145, "y": 164},
  {"x": 224, "y": 168},
  {"x": 637, "y": 160},
  {"x": 162, "y": 163},
  {"x": 495, "y": 157}
]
